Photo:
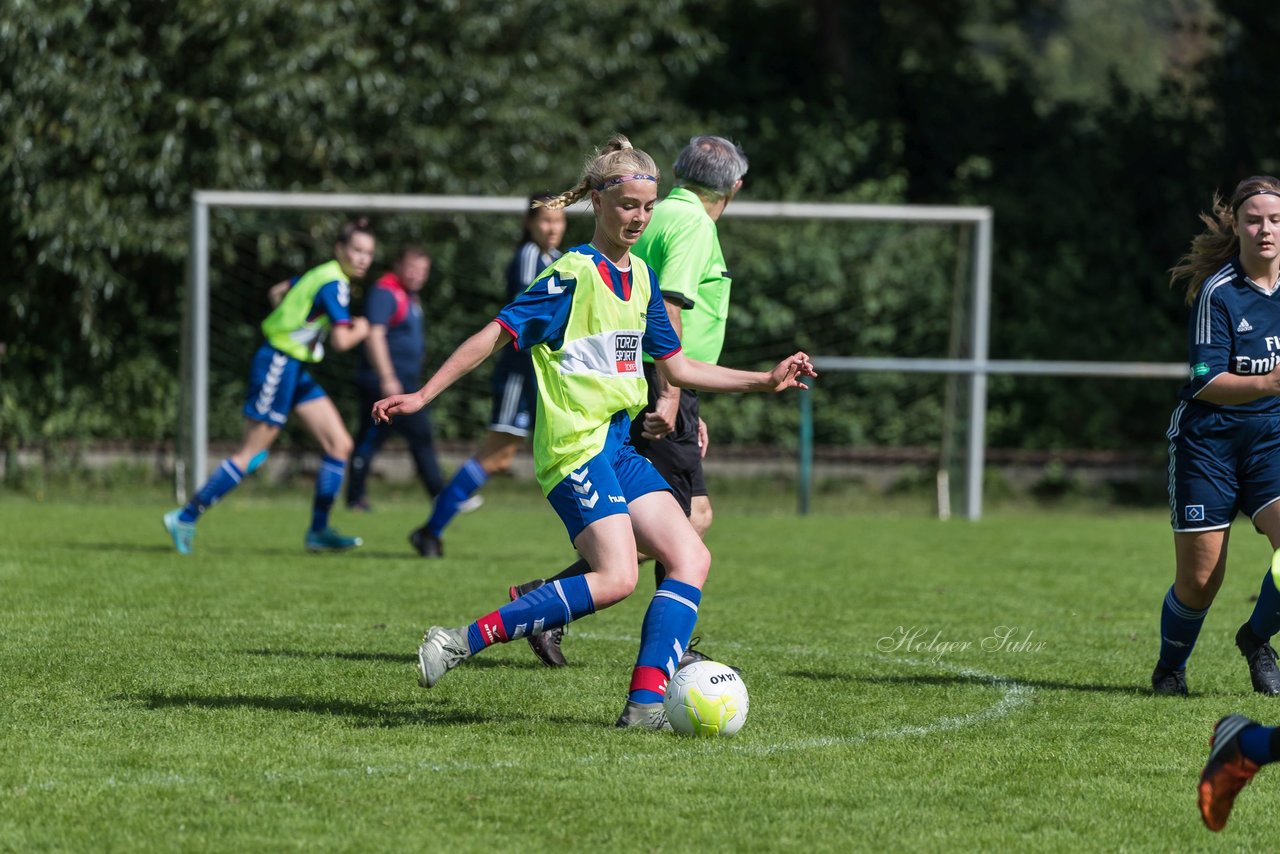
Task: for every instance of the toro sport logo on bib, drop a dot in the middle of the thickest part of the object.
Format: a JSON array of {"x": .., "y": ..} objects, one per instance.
[{"x": 626, "y": 352}]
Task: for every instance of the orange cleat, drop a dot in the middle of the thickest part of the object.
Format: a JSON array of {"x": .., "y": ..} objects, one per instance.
[{"x": 1225, "y": 773}]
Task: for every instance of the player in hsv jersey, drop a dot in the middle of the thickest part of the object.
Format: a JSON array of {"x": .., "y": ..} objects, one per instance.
[
  {"x": 586, "y": 320},
  {"x": 513, "y": 384},
  {"x": 1224, "y": 436}
]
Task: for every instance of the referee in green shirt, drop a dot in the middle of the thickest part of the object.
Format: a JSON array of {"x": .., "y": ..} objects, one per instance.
[{"x": 682, "y": 245}]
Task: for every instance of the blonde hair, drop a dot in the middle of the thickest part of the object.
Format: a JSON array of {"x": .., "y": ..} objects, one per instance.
[
  {"x": 1218, "y": 243},
  {"x": 616, "y": 159}
]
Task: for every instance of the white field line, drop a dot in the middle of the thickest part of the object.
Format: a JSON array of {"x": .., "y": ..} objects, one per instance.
[{"x": 1013, "y": 696}]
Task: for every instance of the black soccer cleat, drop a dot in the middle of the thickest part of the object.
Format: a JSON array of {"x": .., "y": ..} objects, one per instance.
[
  {"x": 1262, "y": 661},
  {"x": 426, "y": 543},
  {"x": 691, "y": 655},
  {"x": 1169, "y": 683},
  {"x": 545, "y": 645}
]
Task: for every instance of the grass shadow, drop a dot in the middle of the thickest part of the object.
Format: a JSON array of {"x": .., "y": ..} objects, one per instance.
[
  {"x": 389, "y": 657},
  {"x": 156, "y": 548},
  {"x": 384, "y": 715}
]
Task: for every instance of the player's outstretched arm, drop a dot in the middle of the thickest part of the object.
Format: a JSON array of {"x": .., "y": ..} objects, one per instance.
[
  {"x": 469, "y": 356},
  {"x": 682, "y": 371}
]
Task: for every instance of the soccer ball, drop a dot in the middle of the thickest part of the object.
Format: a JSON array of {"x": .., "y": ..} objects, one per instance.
[{"x": 706, "y": 698}]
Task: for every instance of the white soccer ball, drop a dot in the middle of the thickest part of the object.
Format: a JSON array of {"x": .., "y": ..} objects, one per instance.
[{"x": 706, "y": 698}]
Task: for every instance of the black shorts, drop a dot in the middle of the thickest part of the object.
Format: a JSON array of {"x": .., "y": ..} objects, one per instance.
[{"x": 677, "y": 457}]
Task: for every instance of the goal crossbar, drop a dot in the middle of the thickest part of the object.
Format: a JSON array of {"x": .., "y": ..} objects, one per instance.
[{"x": 196, "y": 326}]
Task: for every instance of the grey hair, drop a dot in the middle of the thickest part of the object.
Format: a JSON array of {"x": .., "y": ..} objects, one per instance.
[{"x": 711, "y": 163}]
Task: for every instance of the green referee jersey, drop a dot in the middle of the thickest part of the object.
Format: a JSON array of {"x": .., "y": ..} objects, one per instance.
[{"x": 682, "y": 246}]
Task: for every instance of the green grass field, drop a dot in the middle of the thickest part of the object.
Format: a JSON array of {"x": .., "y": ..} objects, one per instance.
[{"x": 253, "y": 697}]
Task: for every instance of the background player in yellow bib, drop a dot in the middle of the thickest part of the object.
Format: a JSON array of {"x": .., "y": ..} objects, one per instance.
[
  {"x": 586, "y": 320},
  {"x": 311, "y": 307}
]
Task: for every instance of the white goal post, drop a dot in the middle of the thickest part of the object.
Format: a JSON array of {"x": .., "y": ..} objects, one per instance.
[{"x": 974, "y": 367}]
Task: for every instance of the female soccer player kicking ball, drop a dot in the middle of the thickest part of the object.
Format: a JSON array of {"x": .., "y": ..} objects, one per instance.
[{"x": 585, "y": 321}]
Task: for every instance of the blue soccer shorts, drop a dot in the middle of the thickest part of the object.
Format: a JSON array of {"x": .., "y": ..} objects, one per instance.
[
  {"x": 1220, "y": 463},
  {"x": 604, "y": 485},
  {"x": 277, "y": 383}
]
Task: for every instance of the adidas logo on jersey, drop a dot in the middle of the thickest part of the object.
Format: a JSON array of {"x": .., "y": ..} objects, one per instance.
[{"x": 1244, "y": 326}]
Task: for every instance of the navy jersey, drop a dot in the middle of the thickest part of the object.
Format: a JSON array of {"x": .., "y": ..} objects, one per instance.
[
  {"x": 389, "y": 304},
  {"x": 528, "y": 262},
  {"x": 1234, "y": 328}
]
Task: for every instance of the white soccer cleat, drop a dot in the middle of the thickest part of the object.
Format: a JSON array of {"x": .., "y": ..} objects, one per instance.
[
  {"x": 650, "y": 716},
  {"x": 441, "y": 650}
]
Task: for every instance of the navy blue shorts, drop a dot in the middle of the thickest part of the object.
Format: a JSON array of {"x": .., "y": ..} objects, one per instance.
[
  {"x": 514, "y": 402},
  {"x": 1220, "y": 463},
  {"x": 606, "y": 483},
  {"x": 678, "y": 456},
  {"x": 277, "y": 383}
]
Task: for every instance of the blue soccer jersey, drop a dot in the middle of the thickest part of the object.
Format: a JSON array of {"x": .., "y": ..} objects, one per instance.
[
  {"x": 1234, "y": 329},
  {"x": 540, "y": 315}
]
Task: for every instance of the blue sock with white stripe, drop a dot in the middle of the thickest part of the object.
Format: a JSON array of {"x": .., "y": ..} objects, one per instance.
[
  {"x": 222, "y": 481},
  {"x": 464, "y": 484},
  {"x": 328, "y": 482},
  {"x": 550, "y": 606},
  {"x": 664, "y": 637},
  {"x": 1265, "y": 619},
  {"x": 1179, "y": 628}
]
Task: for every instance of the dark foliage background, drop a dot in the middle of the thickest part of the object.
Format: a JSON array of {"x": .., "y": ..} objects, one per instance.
[{"x": 1095, "y": 130}]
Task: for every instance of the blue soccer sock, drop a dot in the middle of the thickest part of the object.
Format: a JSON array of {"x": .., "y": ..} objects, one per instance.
[
  {"x": 548, "y": 607},
  {"x": 1258, "y": 743},
  {"x": 1265, "y": 619},
  {"x": 1179, "y": 628},
  {"x": 468, "y": 479},
  {"x": 328, "y": 482},
  {"x": 664, "y": 637},
  {"x": 222, "y": 481}
]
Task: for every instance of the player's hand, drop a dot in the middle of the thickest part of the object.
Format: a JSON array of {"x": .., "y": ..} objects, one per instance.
[
  {"x": 399, "y": 404},
  {"x": 704, "y": 438},
  {"x": 275, "y": 294},
  {"x": 787, "y": 373},
  {"x": 661, "y": 422},
  {"x": 391, "y": 387}
]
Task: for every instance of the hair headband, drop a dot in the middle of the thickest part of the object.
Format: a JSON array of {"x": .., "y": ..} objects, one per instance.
[
  {"x": 622, "y": 179},
  {"x": 1248, "y": 196}
]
